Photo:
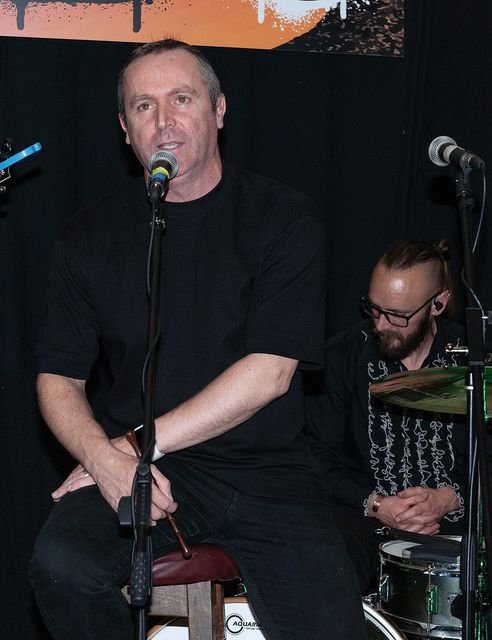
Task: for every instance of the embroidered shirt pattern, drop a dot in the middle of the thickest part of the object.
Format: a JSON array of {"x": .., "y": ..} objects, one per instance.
[{"x": 407, "y": 449}]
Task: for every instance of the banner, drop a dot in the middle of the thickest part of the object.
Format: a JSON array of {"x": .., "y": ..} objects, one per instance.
[{"x": 345, "y": 26}]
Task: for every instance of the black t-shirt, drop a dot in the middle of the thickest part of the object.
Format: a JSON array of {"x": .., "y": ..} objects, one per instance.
[
  {"x": 243, "y": 271},
  {"x": 366, "y": 446}
]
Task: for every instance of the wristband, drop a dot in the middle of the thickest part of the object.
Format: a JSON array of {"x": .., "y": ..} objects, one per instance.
[
  {"x": 157, "y": 454},
  {"x": 376, "y": 503}
]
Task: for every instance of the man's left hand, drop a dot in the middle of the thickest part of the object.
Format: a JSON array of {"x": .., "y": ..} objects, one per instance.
[{"x": 431, "y": 505}]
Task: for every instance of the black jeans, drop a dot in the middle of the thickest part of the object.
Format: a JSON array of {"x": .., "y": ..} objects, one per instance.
[
  {"x": 357, "y": 531},
  {"x": 300, "y": 581}
]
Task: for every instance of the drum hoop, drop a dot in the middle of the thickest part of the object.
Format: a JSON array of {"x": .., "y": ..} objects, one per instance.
[
  {"x": 436, "y": 568},
  {"x": 419, "y": 624},
  {"x": 381, "y": 620}
]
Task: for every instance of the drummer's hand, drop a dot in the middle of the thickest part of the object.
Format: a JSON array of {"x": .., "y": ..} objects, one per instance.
[
  {"x": 427, "y": 505},
  {"x": 392, "y": 510}
]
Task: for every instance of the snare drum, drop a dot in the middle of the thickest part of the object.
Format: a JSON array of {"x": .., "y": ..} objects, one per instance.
[{"x": 418, "y": 594}]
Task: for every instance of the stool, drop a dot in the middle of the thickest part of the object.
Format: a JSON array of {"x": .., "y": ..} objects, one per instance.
[{"x": 193, "y": 589}]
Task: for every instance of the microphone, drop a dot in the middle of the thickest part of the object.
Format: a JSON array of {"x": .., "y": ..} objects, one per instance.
[
  {"x": 163, "y": 167},
  {"x": 444, "y": 151}
]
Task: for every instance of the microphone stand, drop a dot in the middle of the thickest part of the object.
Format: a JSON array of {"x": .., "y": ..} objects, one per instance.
[
  {"x": 478, "y": 483},
  {"x": 141, "y": 499}
]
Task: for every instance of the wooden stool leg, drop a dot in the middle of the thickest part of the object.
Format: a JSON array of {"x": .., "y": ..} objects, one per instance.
[
  {"x": 218, "y": 610},
  {"x": 201, "y": 623},
  {"x": 169, "y": 601}
]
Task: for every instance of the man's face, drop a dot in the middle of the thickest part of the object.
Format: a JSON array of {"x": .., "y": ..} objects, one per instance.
[
  {"x": 167, "y": 107},
  {"x": 401, "y": 292}
]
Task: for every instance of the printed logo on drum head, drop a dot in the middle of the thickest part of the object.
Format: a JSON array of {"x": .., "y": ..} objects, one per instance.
[{"x": 236, "y": 624}]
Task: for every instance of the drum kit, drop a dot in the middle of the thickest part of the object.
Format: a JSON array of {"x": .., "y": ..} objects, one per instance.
[{"x": 421, "y": 588}]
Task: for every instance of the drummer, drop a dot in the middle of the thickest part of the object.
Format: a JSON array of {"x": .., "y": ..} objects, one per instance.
[{"x": 387, "y": 465}]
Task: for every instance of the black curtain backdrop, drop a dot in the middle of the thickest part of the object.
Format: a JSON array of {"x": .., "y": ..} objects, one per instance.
[{"x": 351, "y": 131}]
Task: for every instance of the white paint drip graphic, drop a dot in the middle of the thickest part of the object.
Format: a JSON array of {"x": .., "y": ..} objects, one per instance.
[{"x": 296, "y": 10}]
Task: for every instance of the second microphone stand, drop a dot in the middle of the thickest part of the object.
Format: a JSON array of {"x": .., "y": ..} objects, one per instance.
[{"x": 478, "y": 482}]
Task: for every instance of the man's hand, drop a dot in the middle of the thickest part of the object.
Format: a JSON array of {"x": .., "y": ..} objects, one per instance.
[
  {"x": 417, "y": 509},
  {"x": 427, "y": 505},
  {"x": 115, "y": 478},
  {"x": 393, "y": 508},
  {"x": 79, "y": 477}
]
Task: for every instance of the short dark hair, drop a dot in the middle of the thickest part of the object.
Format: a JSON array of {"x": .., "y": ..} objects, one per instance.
[
  {"x": 406, "y": 254},
  {"x": 207, "y": 72}
]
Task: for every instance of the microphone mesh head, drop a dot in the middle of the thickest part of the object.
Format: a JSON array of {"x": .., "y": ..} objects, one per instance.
[
  {"x": 434, "y": 150},
  {"x": 165, "y": 156}
]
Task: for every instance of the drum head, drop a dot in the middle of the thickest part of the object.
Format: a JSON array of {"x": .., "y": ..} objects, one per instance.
[
  {"x": 378, "y": 626},
  {"x": 396, "y": 550},
  {"x": 419, "y": 556}
]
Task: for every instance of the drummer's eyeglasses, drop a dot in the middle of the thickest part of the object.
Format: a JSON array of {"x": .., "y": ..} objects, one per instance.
[{"x": 393, "y": 317}]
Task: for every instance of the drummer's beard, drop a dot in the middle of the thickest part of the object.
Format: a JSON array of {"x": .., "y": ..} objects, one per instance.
[{"x": 391, "y": 345}]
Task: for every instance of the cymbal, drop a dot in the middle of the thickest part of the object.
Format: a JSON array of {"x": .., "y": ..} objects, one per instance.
[{"x": 431, "y": 389}]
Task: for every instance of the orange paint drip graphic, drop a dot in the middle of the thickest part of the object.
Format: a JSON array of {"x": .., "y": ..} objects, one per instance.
[{"x": 262, "y": 24}]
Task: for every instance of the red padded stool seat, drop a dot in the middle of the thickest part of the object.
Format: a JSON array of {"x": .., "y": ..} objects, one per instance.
[
  {"x": 207, "y": 562},
  {"x": 192, "y": 588}
]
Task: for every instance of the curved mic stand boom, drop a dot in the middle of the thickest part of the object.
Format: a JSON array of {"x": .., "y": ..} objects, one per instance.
[{"x": 478, "y": 481}]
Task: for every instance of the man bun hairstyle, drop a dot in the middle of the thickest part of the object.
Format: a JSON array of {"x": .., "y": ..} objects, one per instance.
[{"x": 406, "y": 254}]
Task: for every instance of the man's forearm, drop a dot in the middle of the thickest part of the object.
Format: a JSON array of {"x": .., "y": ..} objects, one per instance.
[
  {"x": 234, "y": 396},
  {"x": 65, "y": 408}
]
